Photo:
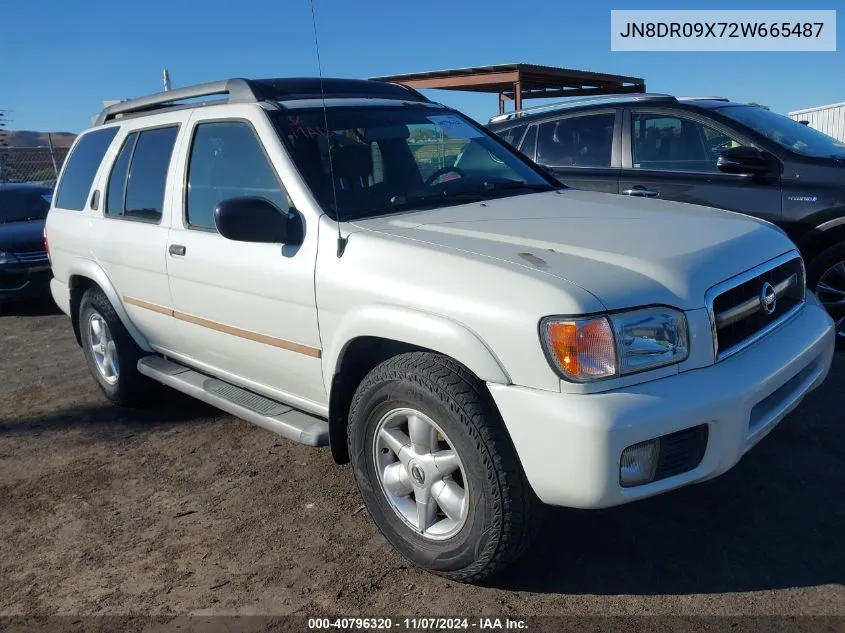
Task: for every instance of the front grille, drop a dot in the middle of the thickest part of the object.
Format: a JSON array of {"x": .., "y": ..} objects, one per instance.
[
  {"x": 681, "y": 451},
  {"x": 737, "y": 308},
  {"x": 31, "y": 256}
]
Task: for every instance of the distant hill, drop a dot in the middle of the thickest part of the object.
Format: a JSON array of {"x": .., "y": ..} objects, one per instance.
[{"x": 28, "y": 138}]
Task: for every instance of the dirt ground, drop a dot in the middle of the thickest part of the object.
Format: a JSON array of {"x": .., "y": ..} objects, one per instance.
[{"x": 180, "y": 509}]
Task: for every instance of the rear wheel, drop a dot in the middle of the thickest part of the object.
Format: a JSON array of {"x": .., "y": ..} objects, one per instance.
[
  {"x": 826, "y": 277},
  {"x": 436, "y": 469},
  {"x": 111, "y": 354}
]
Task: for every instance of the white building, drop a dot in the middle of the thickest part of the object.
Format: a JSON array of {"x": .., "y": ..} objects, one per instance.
[{"x": 829, "y": 119}]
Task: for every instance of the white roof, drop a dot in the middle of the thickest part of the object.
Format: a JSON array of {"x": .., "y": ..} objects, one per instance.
[{"x": 817, "y": 108}]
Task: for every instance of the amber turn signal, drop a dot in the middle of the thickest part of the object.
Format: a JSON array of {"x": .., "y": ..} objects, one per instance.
[{"x": 582, "y": 349}]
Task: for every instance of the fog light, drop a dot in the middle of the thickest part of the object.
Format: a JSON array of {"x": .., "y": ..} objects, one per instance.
[{"x": 638, "y": 463}]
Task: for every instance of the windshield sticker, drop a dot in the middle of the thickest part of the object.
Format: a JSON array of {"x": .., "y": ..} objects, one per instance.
[{"x": 455, "y": 126}]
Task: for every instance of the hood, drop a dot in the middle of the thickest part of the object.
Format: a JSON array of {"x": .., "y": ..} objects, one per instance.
[
  {"x": 625, "y": 251},
  {"x": 22, "y": 237}
]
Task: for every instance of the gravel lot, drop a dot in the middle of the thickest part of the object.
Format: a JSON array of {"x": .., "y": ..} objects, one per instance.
[{"x": 180, "y": 509}]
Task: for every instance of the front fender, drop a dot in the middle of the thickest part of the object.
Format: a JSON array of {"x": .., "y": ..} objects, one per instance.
[
  {"x": 89, "y": 269},
  {"x": 421, "y": 329},
  {"x": 816, "y": 229}
]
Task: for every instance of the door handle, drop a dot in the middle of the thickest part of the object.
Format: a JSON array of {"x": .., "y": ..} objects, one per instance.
[
  {"x": 641, "y": 192},
  {"x": 177, "y": 249}
]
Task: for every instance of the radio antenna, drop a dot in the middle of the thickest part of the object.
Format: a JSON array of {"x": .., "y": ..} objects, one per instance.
[{"x": 341, "y": 241}]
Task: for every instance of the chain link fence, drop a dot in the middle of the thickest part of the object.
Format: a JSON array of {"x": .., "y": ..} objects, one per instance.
[{"x": 31, "y": 164}]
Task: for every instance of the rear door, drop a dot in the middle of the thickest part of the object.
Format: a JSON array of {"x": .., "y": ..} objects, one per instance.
[
  {"x": 671, "y": 154},
  {"x": 128, "y": 233},
  {"x": 581, "y": 149}
]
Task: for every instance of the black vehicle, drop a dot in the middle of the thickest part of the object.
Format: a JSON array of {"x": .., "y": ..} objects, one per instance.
[
  {"x": 706, "y": 151},
  {"x": 24, "y": 266}
]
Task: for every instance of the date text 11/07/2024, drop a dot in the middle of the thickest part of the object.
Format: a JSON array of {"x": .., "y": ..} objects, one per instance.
[{"x": 413, "y": 624}]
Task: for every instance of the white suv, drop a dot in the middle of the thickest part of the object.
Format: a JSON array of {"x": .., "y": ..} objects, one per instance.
[{"x": 348, "y": 263}]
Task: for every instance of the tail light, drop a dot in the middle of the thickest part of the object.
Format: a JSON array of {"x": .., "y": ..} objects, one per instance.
[{"x": 47, "y": 246}]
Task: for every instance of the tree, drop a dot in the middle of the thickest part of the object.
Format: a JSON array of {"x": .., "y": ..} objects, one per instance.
[{"x": 759, "y": 105}]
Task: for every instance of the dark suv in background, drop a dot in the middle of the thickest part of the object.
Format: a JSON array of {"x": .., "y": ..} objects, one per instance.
[{"x": 706, "y": 151}]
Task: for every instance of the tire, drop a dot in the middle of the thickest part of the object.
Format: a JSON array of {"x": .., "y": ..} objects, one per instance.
[
  {"x": 820, "y": 268},
  {"x": 123, "y": 385},
  {"x": 499, "y": 513}
]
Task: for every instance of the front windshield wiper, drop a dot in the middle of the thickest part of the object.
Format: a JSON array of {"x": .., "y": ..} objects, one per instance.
[
  {"x": 422, "y": 200},
  {"x": 506, "y": 185},
  {"x": 418, "y": 200}
]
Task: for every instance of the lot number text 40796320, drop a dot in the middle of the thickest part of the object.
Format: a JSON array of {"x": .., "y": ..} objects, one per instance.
[{"x": 414, "y": 624}]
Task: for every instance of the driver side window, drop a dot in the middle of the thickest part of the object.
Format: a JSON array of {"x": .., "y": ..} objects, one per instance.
[
  {"x": 227, "y": 161},
  {"x": 671, "y": 143}
]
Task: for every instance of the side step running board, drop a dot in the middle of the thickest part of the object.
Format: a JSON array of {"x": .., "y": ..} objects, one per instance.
[{"x": 269, "y": 414}]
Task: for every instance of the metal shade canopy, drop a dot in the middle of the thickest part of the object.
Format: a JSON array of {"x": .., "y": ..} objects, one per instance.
[{"x": 521, "y": 81}]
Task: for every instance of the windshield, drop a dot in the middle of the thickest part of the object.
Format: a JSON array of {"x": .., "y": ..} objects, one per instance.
[
  {"x": 786, "y": 132},
  {"x": 25, "y": 203},
  {"x": 386, "y": 159}
]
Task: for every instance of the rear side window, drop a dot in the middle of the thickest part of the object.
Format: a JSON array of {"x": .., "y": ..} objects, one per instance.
[
  {"x": 227, "y": 161},
  {"x": 513, "y": 135},
  {"x": 529, "y": 143},
  {"x": 139, "y": 175},
  {"x": 116, "y": 190},
  {"x": 81, "y": 167},
  {"x": 579, "y": 141}
]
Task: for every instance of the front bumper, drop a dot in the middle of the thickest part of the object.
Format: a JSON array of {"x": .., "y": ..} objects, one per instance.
[
  {"x": 570, "y": 445},
  {"x": 21, "y": 281}
]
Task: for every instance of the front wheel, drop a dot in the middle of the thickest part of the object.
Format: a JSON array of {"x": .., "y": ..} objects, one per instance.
[
  {"x": 436, "y": 469},
  {"x": 826, "y": 277}
]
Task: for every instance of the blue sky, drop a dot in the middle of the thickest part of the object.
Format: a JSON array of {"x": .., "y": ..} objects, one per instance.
[{"x": 61, "y": 59}]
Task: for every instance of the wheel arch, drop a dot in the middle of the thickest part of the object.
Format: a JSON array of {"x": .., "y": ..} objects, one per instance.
[
  {"x": 373, "y": 334},
  {"x": 85, "y": 274},
  {"x": 821, "y": 231}
]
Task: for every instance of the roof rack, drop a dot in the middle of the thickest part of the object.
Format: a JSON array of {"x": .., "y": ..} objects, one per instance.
[
  {"x": 237, "y": 89},
  {"x": 571, "y": 103},
  {"x": 257, "y": 90}
]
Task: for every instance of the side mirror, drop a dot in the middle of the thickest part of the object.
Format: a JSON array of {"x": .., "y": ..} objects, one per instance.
[
  {"x": 257, "y": 220},
  {"x": 745, "y": 160}
]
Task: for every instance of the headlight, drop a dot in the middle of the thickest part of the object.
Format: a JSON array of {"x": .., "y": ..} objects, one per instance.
[
  {"x": 600, "y": 347},
  {"x": 7, "y": 258}
]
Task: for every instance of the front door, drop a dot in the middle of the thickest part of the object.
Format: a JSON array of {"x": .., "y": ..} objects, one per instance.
[
  {"x": 672, "y": 155},
  {"x": 245, "y": 311}
]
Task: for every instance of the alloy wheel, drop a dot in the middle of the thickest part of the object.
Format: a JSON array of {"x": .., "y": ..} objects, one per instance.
[
  {"x": 103, "y": 349},
  {"x": 831, "y": 292},
  {"x": 421, "y": 474}
]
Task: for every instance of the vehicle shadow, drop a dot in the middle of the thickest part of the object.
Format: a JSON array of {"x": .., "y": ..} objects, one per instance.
[
  {"x": 774, "y": 521},
  {"x": 44, "y": 306},
  {"x": 167, "y": 409}
]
